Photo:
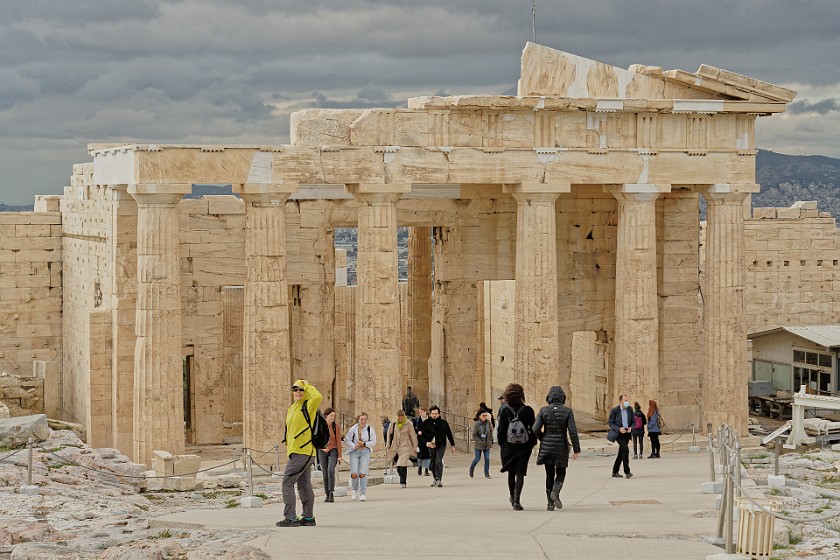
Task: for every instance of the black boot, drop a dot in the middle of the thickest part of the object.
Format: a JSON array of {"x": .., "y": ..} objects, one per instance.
[
  {"x": 332, "y": 496},
  {"x": 555, "y": 494},
  {"x": 419, "y": 471},
  {"x": 511, "y": 499},
  {"x": 516, "y": 505},
  {"x": 550, "y": 505}
]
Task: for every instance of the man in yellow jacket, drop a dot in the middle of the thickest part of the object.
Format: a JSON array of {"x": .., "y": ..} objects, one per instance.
[{"x": 301, "y": 455}]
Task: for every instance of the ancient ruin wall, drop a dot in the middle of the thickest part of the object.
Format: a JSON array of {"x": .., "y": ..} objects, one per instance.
[
  {"x": 30, "y": 292},
  {"x": 87, "y": 233},
  {"x": 792, "y": 267}
]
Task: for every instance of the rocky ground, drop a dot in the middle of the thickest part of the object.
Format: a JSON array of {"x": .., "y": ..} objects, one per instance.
[
  {"x": 812, "y": 491},
  {"x": 82, "y": 513}
]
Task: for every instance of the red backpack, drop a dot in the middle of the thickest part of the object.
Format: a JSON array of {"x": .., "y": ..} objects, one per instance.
[{"x": 637, "y": 422}]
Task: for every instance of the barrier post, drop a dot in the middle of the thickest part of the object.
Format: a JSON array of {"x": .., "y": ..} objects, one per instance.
[
  {"x": 711, "y": 451},
  {"x": 29, "y": 462}
]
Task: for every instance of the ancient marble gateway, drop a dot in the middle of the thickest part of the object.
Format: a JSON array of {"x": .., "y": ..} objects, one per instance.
[{"x": 575, "y": 203}]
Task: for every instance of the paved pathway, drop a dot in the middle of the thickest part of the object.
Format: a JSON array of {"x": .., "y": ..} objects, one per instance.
[{"x": 659, "y": 513}]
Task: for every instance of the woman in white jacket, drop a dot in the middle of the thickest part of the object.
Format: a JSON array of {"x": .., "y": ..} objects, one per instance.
[{"x": 360, "y": 440}]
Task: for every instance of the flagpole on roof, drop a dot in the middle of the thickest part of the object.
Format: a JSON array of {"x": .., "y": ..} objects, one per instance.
[{"x": 534, "y": 18}]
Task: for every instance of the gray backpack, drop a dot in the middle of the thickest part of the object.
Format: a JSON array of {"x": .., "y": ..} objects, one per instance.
[{"x": 517, "y": 432}]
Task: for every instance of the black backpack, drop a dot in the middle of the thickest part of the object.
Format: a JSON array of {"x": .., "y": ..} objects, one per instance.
[
  {"x": 517, "y": 432},
  {"x": 320, "y": 429}
]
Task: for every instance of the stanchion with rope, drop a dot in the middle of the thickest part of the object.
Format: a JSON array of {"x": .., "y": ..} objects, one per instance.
[
  {"x": 250, "y": 501},
  {"x": 29, "y": 488}
]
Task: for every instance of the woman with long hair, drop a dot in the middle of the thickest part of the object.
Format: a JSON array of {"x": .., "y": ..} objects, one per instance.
[
  {"x": 329, "y": 456},
  {"x": 654, "y": 427},
  {"x": 360, "y": 439},
  {"x": 518, "y": 419}
]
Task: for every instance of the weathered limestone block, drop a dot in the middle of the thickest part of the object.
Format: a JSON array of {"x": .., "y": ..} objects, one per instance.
[{"x": 15, "y": 431}]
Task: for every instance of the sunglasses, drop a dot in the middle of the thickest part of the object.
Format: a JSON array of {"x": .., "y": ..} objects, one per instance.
[{"x": 297, "y": 390}]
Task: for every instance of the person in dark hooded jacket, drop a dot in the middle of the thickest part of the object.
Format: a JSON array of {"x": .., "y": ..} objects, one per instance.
[{"x": 554, "y": 425}]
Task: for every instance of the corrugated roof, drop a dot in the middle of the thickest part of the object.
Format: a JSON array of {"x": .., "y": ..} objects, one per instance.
[{"x": 824, "y": 335}]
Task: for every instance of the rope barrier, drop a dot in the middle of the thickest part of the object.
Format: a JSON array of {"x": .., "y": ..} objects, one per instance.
[
  {"x": 785, "y": 517},
  {"x": 12, "y": 454}
]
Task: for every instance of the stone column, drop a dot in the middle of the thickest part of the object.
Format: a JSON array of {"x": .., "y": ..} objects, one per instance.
[
  {"x": 266, "y": 376},
  {"x": 636, "y": 364},
  {"x": 419, "y": 310},
  {"x": 377, "y": 360},
  {"x": 158, "y": 360},
  {"x": 536, "y": 338},
  {"x": 725, "y": 373}
]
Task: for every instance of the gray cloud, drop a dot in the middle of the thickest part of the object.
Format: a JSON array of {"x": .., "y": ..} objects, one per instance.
[
  {"x": 820, "y": 107},
  {"x": 217, "y": 71}
]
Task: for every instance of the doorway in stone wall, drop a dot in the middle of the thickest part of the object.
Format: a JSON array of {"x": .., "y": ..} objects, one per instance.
[
  {"x": 590, "y": 374},
  {"x": 189, "y": 396}
]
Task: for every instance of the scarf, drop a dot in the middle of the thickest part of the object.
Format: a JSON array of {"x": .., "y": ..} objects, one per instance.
[{"x": 401, "y": 424}]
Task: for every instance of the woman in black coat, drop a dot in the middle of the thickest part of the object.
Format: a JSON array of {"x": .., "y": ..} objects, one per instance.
[
  {"x": 554, "y": 426},
  {"x": 515, "y": 456}
]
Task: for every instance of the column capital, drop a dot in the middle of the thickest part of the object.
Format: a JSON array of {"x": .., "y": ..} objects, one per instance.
[
  {"x": 637, "y": 192},
  {"x": 161, "y": 194},
  {"x": 265, "y": 193},
  {"x": 536, "y": 188},
  {"x": 727, "y": 193},
  {"x": 377, "y": 192}
]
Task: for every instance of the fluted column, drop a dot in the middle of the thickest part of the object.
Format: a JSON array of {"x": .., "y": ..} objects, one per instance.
[
  {"x": 420, "y": 309},
  {"x": 636, "y": 364},
  {"x": 158, "y": 360},
  {"x": 536, "y": 336},
  {"x": 266, "y": 375},
  {"x": 377, "y": 378},
  {"x": 725, "y": 371}
]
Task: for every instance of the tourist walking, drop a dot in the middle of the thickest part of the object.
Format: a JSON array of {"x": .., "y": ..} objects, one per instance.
[
  {"x": 402, "y": 444},
  {"x": 301, "y": 452},
  {"x": 330, "y": 456},
  {"x": 638, "y": 433},
  {"x": 517, "y": 440},
  {"x": 482, "y": 437},
  {"x": 360, "y": 440},
  {"x": 410, "y": 403},
  {"x": 620, "y": 422},
  {"x": 424, "y": 455},
  {"x": 554, "y": 426},
  {"x": 437, "y": 431},
  {"x": 654, "y": 427}
]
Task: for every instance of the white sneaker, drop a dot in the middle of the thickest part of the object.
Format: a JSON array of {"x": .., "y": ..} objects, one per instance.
[
  {"x": 362, "y": 498},
  {"x": 355, "y": 495}
]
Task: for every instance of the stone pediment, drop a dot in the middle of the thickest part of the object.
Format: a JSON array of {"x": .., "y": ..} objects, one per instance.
[{"x": 552, "y": 73}]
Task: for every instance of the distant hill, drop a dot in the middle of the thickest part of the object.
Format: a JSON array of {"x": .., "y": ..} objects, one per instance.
[
  {"x": 19, "y": 208},
  {"x": 785, "y": 179}
]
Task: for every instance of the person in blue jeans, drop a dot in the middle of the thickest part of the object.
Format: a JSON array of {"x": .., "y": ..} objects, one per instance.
[
  {"x": 360, "y": 439},
  {"x": 482, "y": 436}
]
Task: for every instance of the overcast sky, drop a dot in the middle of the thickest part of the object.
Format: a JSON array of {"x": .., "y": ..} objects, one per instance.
[{"x": 221, "y": 71}]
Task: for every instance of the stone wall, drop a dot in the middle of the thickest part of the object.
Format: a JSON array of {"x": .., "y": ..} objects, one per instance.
[
  {"x": 30, "y": 289},
  {"x": 87, "y": 231},
  {"x": 22, "y": 395},
  {"x": 792, "y": 267}
]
